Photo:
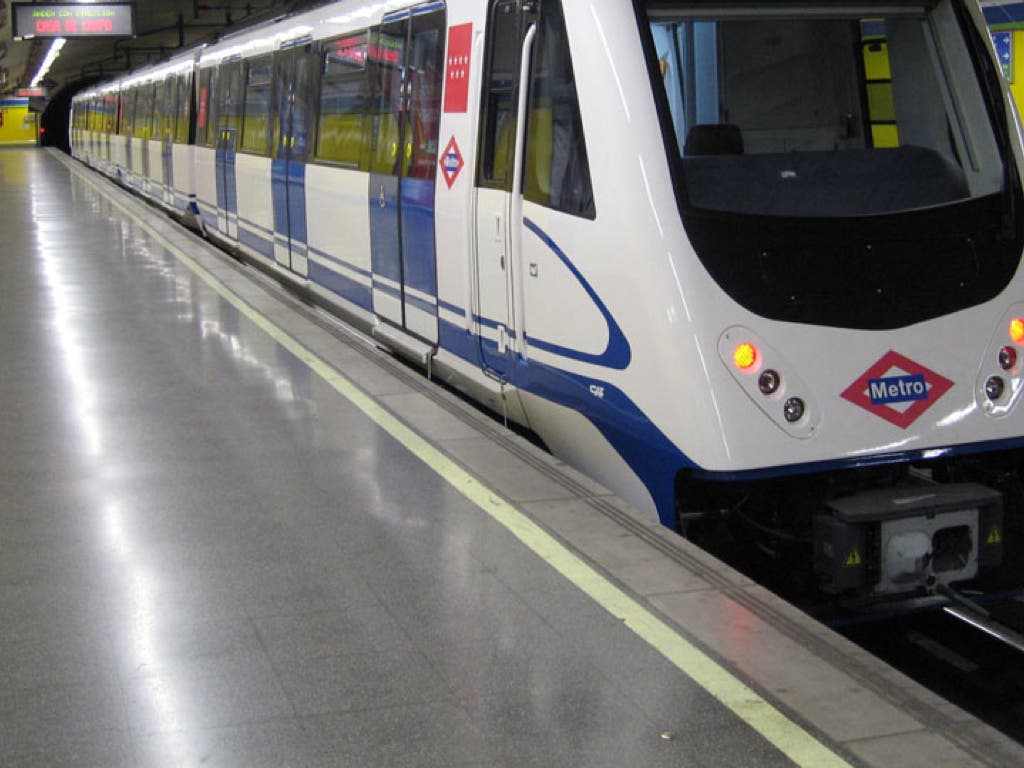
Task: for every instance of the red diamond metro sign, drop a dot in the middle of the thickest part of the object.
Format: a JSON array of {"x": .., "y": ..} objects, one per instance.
[
  {"x": 451, "y": 162},
  {"x": 897, "y": 389}
]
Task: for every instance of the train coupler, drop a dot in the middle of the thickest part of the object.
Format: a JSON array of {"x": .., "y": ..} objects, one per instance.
[{"x": 907, "y": 538}]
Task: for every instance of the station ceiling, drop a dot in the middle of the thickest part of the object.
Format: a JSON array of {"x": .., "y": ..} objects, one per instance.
[{"x": 161, "y": 26}]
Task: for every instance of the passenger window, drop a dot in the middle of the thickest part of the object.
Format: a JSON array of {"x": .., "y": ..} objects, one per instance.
[
  {"x": 498, "y": 129},
  {"x": 203, "y": 109},
  {"x": 255, "y": 125},
  {"x": 184, "y": 111},
  {"x": 167, "y": 99},
  {"x": 128, "y": 112},
  {"x": 557, "y": 174},
  {"x": 230, "y": 94},
  {"x": 386, "y": 59},
  {"x": 291, "y": 119},
  {"x": 344, "y": 90},
  {"x": 144, "y": 112},
  {"x": 113, "y": 104},
  {"x": 423, "y": 76}
]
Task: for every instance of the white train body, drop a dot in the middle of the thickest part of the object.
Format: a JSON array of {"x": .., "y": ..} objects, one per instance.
[{"x": 855, "y": 220}]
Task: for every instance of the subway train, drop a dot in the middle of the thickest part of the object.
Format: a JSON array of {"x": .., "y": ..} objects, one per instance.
[{"x": 752, "y": 265}]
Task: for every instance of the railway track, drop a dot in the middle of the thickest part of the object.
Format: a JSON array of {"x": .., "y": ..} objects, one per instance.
[{"x": 955, "y": 659}]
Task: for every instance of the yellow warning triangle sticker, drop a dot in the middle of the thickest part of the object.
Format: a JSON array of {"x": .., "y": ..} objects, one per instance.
[
  {"x": 994, "y": 537},
  {"x": 853, "y": 559}
]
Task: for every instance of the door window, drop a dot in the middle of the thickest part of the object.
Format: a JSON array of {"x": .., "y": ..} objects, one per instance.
[{"x": 499, "y": 119}]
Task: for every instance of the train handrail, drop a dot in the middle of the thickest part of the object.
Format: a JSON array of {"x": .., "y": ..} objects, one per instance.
[{"x": 516, "y": 200}]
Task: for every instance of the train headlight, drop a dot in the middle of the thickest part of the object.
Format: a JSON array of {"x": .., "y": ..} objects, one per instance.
[
  {"x": 768, "y": 382},
  {"x": 1000, "y": 377},
  {"x": 1007, "y": 358},
  {"x": 745, "y": 356},
  {"x": 1017, "y": 331},
  {"x": 769, "y": 379},
  {"x": 994, "y": 387},
  {"x": 793, "y": 410}
]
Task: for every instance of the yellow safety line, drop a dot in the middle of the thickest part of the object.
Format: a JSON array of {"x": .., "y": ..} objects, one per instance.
[{"x": 787, "y": 736}]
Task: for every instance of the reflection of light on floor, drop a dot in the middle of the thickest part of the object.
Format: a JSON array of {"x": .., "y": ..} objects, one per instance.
[
  {"x": 140, "y": 608},
  {"x": 140, "y": 599},
  {"x": 83, "y": 398}
]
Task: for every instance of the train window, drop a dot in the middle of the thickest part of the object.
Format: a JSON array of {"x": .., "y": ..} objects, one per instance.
[
  {"x": 204, "y": 105},
  {"x": 184, "y": 108},
  {"x": 344, "y": 96},
  {"x": 386, "y": 60},
  {"x": 115, "y": 123},
  {"x": 167, "y": 107},
  {"x": 499, "y": 118},
  {"x": 557, "y": 173},
  {"x": 108, "y": 112},
  {"x": 294, "y": 68},
  {"x": 423, "y": 84},
  {"x": 152, "y": 110},
  {"x": 144, "y": 111},
  {"x": 128, "y": 112},
  {"x": 229, "y": 94},
  {"x": 839, "y": 165},
  {"x": 256, "y": 121},
  {"x": 831, "y": 114}
]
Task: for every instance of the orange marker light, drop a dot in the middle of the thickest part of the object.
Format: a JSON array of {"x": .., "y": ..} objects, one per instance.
[
  {"x": 745, "y": 355},
  {"x": 1017, "y": 330}
]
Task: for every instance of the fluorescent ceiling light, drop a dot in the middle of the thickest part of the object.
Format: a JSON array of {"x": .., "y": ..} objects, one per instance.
[{"x": 51, "y": 56}]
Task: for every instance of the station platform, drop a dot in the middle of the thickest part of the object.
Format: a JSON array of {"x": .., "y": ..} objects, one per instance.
[{"x": 233, "y": 533}]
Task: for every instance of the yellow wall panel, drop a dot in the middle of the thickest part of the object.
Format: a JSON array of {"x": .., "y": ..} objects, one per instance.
[{"x": 17, "y": 124}]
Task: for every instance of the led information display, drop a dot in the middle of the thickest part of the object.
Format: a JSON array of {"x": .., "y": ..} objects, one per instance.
[{"x": 73, "y": 19}]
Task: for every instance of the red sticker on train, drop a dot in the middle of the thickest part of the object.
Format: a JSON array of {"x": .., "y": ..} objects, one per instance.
[{"x": 456, "y": 79}]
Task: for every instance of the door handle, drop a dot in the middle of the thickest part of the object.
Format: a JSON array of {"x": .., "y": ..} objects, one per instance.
[{"x": 382, "y": 199}]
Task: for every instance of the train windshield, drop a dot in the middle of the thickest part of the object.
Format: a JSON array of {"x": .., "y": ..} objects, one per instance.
[{"x": 787, "y": 118}]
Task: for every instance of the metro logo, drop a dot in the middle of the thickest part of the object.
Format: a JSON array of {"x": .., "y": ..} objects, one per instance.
[{"x": 897, "y": 389}]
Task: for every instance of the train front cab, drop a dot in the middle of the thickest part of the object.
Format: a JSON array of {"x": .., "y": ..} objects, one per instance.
[{"x": 859, "y": 216}]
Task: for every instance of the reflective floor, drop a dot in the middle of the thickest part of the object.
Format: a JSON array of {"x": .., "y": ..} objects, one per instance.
[{"x": 209, "y": 557}]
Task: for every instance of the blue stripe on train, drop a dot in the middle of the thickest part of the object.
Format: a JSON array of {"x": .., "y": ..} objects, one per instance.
[
  {"x": 253, "y": 239},
  {"x": 288, "y": 192},
  {"x": 419, "y": 259},
  {"x": 644, "y": 447},
  {"x": 356, "y": 292}
]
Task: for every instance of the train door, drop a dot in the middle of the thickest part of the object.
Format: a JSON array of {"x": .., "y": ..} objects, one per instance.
[
  {"x": 497, "y": 223},
  {"x": 407, "y": 61},
  {"x": 230, "y": 97},
  {"x": 293, "y": 75}
]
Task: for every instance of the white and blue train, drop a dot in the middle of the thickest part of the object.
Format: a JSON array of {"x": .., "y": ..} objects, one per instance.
[{"x": 747, "y": 260}]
